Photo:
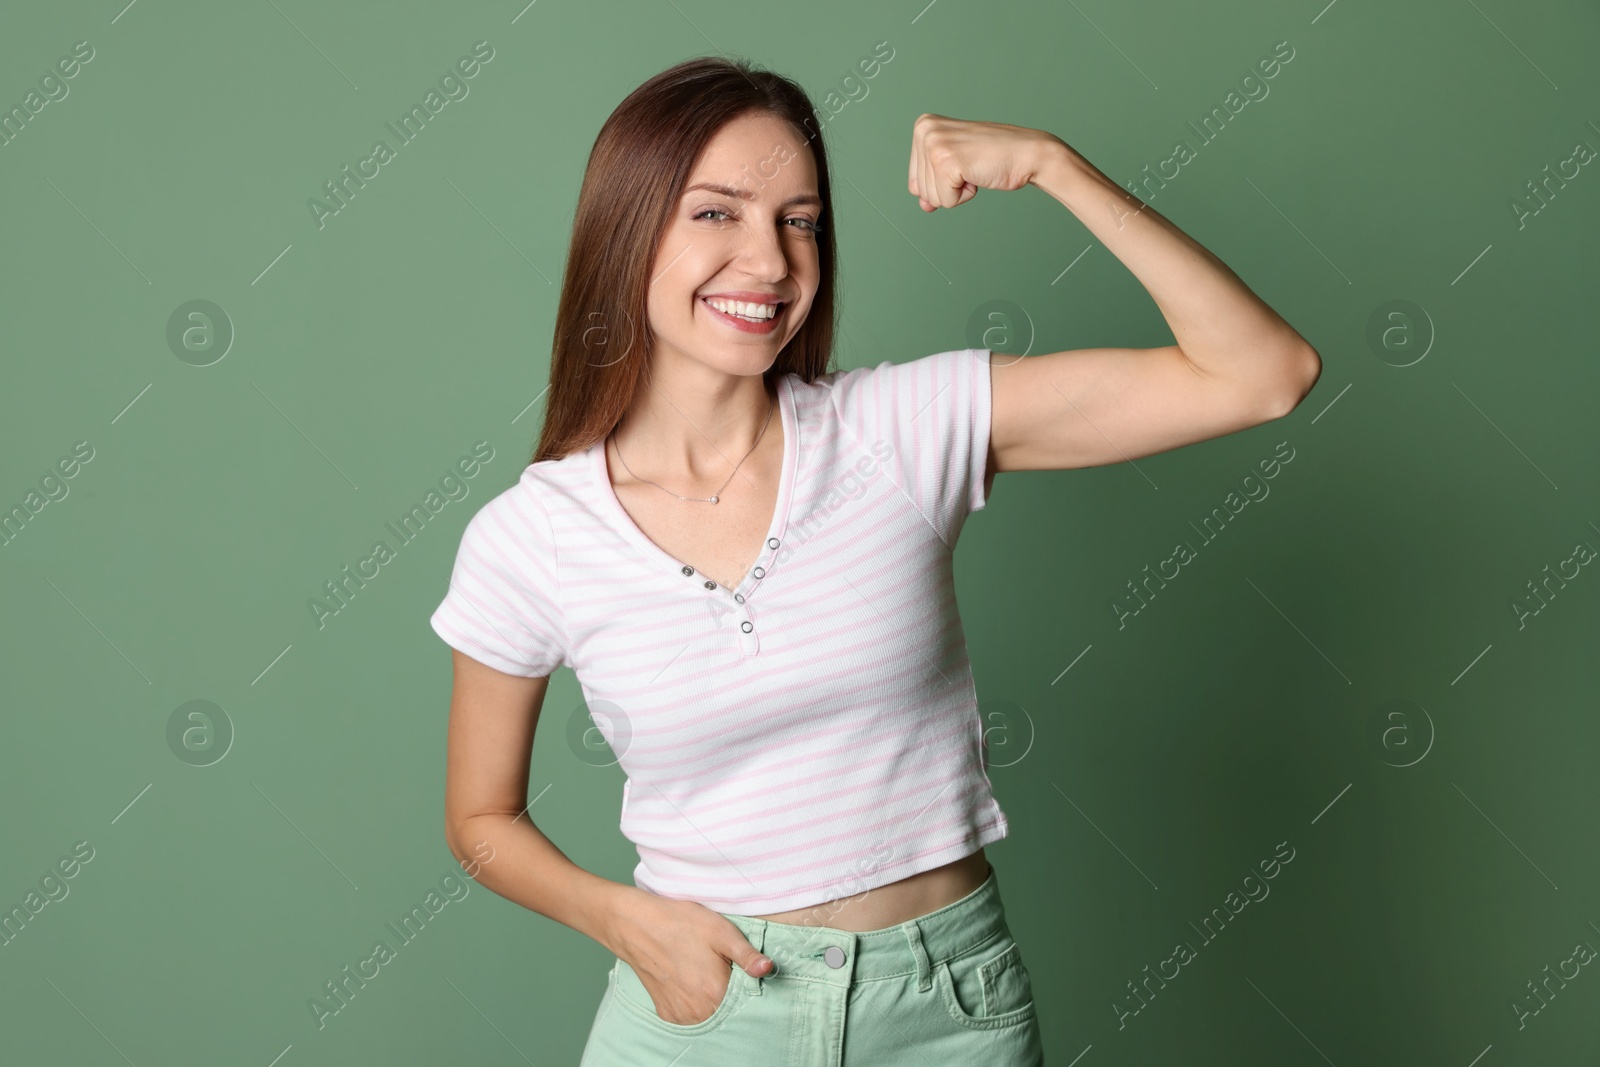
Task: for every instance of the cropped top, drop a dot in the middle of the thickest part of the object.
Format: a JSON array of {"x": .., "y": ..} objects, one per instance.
[{"x": 812, "y": 732}]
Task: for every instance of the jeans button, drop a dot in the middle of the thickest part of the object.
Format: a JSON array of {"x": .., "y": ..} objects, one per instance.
[{"x": 834, "y": 957}]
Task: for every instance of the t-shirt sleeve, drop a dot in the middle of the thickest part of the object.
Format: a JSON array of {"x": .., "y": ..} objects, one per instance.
[
  {"x": 935, "y": 413},
  {"x": 503, "y": 607}
]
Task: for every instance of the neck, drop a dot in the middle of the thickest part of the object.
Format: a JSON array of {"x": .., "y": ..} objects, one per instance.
[{"x": 687, "y": 431}]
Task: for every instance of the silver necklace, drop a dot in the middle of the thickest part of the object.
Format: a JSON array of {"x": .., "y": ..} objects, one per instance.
[{"x": 712, "y": 499}]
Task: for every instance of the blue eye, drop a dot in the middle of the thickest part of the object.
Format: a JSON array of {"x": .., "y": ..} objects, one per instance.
[{"x": 710, "y": 211}]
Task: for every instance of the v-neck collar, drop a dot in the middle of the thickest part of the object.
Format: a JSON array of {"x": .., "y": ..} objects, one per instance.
[{"x": 686, "y": 576}]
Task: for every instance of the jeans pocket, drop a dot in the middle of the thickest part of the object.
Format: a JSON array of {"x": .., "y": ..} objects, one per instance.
[
  {"x": 630, "y": 992},
  {"x": 989, "y": 988}
]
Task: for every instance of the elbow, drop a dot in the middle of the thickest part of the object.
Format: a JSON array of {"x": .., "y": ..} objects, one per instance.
[
  {"x": 1308, "y": 368},
  {"x": 454, "y": 835},
  {"x": 472, "y": 857}
]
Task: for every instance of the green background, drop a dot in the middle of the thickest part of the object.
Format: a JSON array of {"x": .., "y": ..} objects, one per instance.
[{"x": 1252, "y": 702}]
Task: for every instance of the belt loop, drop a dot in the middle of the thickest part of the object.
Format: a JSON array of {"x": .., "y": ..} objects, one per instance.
[
  {"x": 914, "y": 941},
  {"x": 758, "y": 938}
]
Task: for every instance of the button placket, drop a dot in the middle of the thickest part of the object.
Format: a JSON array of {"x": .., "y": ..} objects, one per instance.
[
  {"x": 749, "y": 639},
  {"x": 749, "y": 643},
  {"x": 759, "y": 571}
]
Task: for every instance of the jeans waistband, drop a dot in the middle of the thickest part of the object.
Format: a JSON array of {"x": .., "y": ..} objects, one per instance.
[{"x": 840, "y": 957}]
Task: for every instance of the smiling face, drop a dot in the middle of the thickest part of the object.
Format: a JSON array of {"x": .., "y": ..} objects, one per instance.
[{"x": 756, "y": 248}]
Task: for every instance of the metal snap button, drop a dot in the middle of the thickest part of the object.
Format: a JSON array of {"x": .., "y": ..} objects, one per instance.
[
  {"x": 739, "y": 597},
  {"x": 760, "y": 572},
  {"x": 687, "y": 570},
  {"x": 746, "y": 627},
  {"x": 772, "y": 542},
  {"x": 834, "y": 957},
  {"x": 711, "y": 585}
]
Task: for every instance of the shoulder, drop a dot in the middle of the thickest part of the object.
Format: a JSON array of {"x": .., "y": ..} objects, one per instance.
[
  {"x": 551, "y": 481},
  {"x": 938, "y": 364},
  {"x": 518, "y": 516},
  {"x": 887, "y": 387}
]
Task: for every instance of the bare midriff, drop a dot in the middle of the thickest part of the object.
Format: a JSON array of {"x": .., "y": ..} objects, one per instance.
[{"x": 895, "y": 903}]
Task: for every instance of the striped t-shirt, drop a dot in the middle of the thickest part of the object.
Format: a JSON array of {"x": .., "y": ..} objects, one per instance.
[{"x": 811, "y": 733}]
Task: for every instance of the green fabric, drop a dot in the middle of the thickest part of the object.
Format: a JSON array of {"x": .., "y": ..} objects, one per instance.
[{"x": 947, "y": 988}]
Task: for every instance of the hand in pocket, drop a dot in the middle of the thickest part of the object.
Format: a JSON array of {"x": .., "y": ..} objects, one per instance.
[{"x": 683, "y": 954}]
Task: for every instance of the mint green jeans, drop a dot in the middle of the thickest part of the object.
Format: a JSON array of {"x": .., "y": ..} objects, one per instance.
[{"x": 948, "y": 987}]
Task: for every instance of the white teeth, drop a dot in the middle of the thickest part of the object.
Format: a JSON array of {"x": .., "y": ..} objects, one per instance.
[{"x": 744, "y": 309}]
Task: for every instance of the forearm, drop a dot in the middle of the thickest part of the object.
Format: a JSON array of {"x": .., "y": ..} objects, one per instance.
[
  {"x": 527, "y": 868},
  {"x": 1225, "y": 329}
]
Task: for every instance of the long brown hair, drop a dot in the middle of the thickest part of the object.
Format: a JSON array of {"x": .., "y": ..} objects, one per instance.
[{"x": 640, "y": 162}]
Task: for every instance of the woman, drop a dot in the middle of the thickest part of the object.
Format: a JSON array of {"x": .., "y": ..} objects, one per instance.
[{"x": 746, "y": 559}]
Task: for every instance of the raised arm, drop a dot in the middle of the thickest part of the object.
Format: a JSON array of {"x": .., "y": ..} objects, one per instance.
[{"x": 1235, "y": 362}]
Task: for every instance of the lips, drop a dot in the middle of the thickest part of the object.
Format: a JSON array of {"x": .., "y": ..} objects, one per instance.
[
  {"x": 776, "y": 306},
  {"x": 745, "y": 295},
  {"x": 746, "y": 325}
]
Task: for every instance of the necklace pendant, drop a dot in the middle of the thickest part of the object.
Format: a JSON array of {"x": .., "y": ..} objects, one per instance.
[{"x": 713, "y": 500}]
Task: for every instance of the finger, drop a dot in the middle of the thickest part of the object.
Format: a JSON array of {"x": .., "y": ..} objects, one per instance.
[
  {"x": 924, "y": 186},
  {"x": 916, "y": 158},
  {"x": 950, "y": 185},
  {"x": 745, "y": 955}
]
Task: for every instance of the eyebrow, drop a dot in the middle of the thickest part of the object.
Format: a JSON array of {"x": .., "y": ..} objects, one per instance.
[{"x": 715, "y": 187}]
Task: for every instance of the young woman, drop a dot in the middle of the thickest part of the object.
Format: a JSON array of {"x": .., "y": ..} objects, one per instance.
[{"x": 746, "y": 560}]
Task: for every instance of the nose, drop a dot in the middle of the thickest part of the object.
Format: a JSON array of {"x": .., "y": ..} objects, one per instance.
[{"x": 763, "y": 255}]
